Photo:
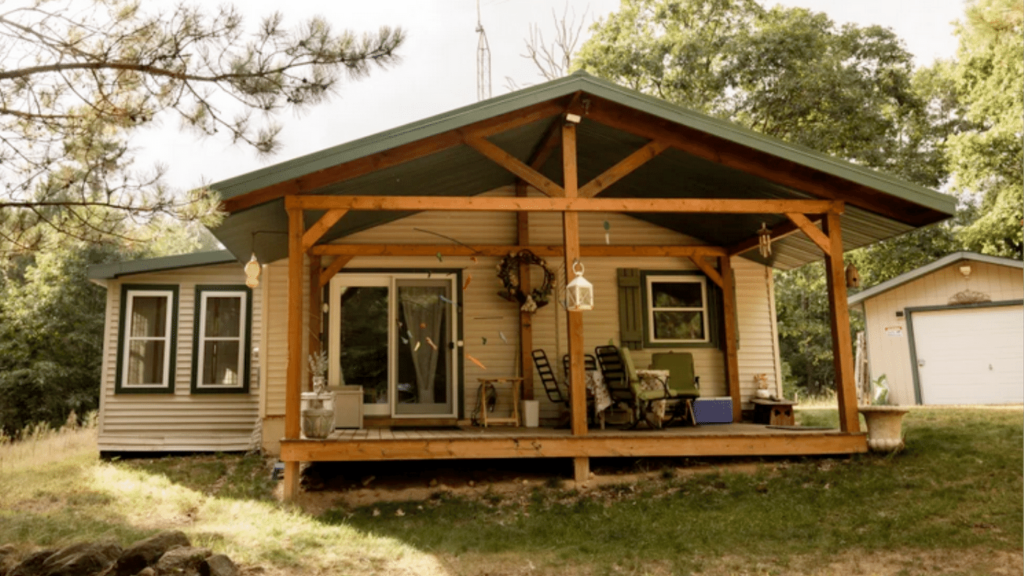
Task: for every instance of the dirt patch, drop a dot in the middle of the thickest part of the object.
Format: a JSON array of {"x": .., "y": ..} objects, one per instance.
[{"x": 358, "y": 485}]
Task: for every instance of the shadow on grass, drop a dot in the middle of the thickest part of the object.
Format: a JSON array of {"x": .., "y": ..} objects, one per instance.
[{"x": 957, "y": 486}]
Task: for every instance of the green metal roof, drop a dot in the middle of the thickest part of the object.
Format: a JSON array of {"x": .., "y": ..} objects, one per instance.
[
  {"x": 461, "y": 171},
  {"x": 118, "y": 269},
  {"x": 928, "y": 269}
]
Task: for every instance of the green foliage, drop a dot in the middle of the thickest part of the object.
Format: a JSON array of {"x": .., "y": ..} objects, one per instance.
[{"x": 988, "y": 160}]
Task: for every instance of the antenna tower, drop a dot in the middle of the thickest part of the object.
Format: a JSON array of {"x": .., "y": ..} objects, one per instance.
[{"x": 483, "y": 60}]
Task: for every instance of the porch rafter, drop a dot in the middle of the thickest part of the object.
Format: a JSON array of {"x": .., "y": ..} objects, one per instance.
[
  {"x": 316, "y": 231},
  {"x": 570, "y": 204},
  {"x": 812, "y": 231}
]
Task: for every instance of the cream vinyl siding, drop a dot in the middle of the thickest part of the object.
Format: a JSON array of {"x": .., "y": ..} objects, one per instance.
[
  {"x": 182, "y": 421},
  {"x": 485, "y": 315},
  {"x": 890, "y": 355}
]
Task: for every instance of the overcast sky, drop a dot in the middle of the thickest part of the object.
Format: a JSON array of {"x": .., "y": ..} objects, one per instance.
[{"x": 438, "y": 70}]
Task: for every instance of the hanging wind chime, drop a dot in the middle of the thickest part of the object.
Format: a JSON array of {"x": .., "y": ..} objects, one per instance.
[{"x": 764, "y": 241}]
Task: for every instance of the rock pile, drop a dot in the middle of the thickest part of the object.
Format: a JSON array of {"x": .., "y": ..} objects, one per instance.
[{"x": 165, "y": 554}]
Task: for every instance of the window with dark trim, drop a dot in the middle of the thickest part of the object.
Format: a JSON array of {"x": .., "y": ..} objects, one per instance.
[
  {"x": 147, "y": 339},
  {"x": 680, "y": 309},
  {"x": 220, "y": 351}
]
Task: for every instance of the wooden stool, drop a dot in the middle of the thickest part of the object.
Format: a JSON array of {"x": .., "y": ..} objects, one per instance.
[
  {"x": 773, "y": 413},
  {"x": 516, "y": 384}
]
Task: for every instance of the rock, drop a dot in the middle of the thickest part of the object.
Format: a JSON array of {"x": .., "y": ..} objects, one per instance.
[
  {"x": 184, "y": 560},
  {"x": 8, "y": 558},
  {"x": 32, "y": 565},
  {"x": 146, "y": 552},
  {"x": 218, "y": 565},
  {"x": 84, "y": 559}
]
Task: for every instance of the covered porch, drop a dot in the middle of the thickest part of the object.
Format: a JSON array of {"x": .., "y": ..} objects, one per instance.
[{"x": 573, "y": 147}]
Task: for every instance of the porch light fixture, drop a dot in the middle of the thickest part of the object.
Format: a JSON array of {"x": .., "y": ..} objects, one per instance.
[
  {"x": 764, "y": 241},
  {"x": 573, "y": 118},
  {"x": 579, "y": 293},
  {"x": 252, "y": 272}
]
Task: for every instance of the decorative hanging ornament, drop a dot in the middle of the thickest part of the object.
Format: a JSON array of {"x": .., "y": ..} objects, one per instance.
[
  {"x": 252, "y": 272},
  {"x": 579, "y": 292},
  {"x": 508, "y": 273},
  {"x": 764, "y": 241}
]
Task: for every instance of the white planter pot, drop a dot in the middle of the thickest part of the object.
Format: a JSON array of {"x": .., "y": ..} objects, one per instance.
[
  {"x": 885, "y": 427},
  {"x": 317, "y": 422}
]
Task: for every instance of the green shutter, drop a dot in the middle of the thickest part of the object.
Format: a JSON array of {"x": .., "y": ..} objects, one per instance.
[{"x": 631, "y": 310}]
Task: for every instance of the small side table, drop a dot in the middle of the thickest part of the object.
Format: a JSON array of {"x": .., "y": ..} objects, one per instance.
[
  {"x": 773, "y": 412},
  {"x": 516, "y": 384}
]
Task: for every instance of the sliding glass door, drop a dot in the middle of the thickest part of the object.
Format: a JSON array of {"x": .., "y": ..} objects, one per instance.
[{"x": 394, "y": 334}]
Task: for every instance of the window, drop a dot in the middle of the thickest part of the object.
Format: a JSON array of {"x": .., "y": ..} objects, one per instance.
[
  {"x": 147, "y": 339},
  {"x": 221, "y": 345},
  {"x": 677, "y": 310}
]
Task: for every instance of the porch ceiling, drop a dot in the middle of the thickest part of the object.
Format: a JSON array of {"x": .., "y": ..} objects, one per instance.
[{"x": 459, "y": 170}]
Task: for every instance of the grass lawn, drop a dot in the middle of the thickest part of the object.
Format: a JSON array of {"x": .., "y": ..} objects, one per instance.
[{"x": 951, "y": 503}]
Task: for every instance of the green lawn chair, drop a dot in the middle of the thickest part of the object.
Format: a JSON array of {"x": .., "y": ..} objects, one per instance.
[
  {"x": 682, "y": 383},
  {"x": 642, "y": 398}
]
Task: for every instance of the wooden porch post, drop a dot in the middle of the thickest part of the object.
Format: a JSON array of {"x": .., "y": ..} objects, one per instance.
[
  {"x": 732, "y": 367},
  {"x": 839, "y": 316},
  {"x": 525, "y": 318},
  {"x": 292, "y": 426},
  {"x": 574, "y": 320}
]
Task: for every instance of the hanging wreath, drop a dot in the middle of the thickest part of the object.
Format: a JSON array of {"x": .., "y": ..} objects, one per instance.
[{"x": 508, "y": 272}]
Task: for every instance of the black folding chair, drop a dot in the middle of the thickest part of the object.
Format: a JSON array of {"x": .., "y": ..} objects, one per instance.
[{"x": 548, "y": 380}]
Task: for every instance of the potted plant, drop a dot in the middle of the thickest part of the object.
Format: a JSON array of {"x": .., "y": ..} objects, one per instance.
[
  {"x": 884, "y": 421},
  {"x": 318, "y": 420}
]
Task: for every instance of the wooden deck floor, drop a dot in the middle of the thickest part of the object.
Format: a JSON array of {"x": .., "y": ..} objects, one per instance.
[{"x": 512, "y": 442}]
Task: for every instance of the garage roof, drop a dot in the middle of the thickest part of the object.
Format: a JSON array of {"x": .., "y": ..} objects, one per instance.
[{"x": 928, "y": 269}]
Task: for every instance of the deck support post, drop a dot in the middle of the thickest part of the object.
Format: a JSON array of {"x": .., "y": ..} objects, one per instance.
[
  {"x": 839, "y": 319},
  {"x": 292, "y": 425},
  {"x": 574, "y": 320},
  {"x": 732, "y": 366},
  {"x": 525, "y": 318},
  {"x": 581, "y": 470}
]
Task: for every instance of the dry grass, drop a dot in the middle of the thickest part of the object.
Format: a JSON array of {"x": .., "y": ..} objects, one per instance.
[{"x": 41, "y": 445}]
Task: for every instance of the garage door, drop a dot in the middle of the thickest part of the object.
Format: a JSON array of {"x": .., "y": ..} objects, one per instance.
[{"x": 970, "y": 355}]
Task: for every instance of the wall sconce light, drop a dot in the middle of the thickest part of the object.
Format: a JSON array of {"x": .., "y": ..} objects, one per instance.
[
  {"x": 252, "y": 272},
  {"x": 579, "y": 292},
  {"x": 966, "y": 271},
  {"x": 764, "y": 241}
]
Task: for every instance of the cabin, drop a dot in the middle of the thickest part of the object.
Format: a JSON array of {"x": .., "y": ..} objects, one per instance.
[
  {"x": 386, "y": 254},
  {"x": 949, "y": 332}
]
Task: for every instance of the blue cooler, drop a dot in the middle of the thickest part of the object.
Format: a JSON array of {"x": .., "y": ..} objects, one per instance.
[{"x": 713, "y": 410}]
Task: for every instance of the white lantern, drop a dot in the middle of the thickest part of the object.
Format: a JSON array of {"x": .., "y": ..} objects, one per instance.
[
  {"x": 579, "y": 293},
  {"x": 252, "y": 272}
]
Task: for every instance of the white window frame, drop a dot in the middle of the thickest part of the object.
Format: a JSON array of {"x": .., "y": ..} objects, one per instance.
[
  {"x": 690, "y": 278},
  {"x": 168, "y": 338},
  {"x": 202, "y": 338}
]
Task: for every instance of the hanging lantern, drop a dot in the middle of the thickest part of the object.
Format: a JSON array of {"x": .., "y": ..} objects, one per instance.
[
  {"x": 764, "y": 241},
  {"x": 579, "y": 293},
  {"x": 252, "y": 272}
]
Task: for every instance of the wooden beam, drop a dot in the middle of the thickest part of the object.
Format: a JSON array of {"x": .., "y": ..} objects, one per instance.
[
  {"x": 315, "y": 318},
  {"x": 755, "y": 162},
  {"x": 623, "y": 168},
  {"x": 812, "y": 232},
  {"x": 839, "y": 319},
  {"x": 779, "y": 232},
  {"x": 600, "y": 250},
  {"x": 600, "y": 444},
  {"x": 551, "y": 141},
  {"x": 707, "y": 270},
  {"x": 317, "y": 230},
  {"x": 333, "y": 268},
  {"x": 732, "y": 366},
  {"x": 515, "y": 166},
  {"x": 392, "y": 157},
  {"x": 292, "y": 425},
  {"x": 498, "y": 204},
  {"x": 525, "y": 318},
  {"x": 574, "y": 320}
]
